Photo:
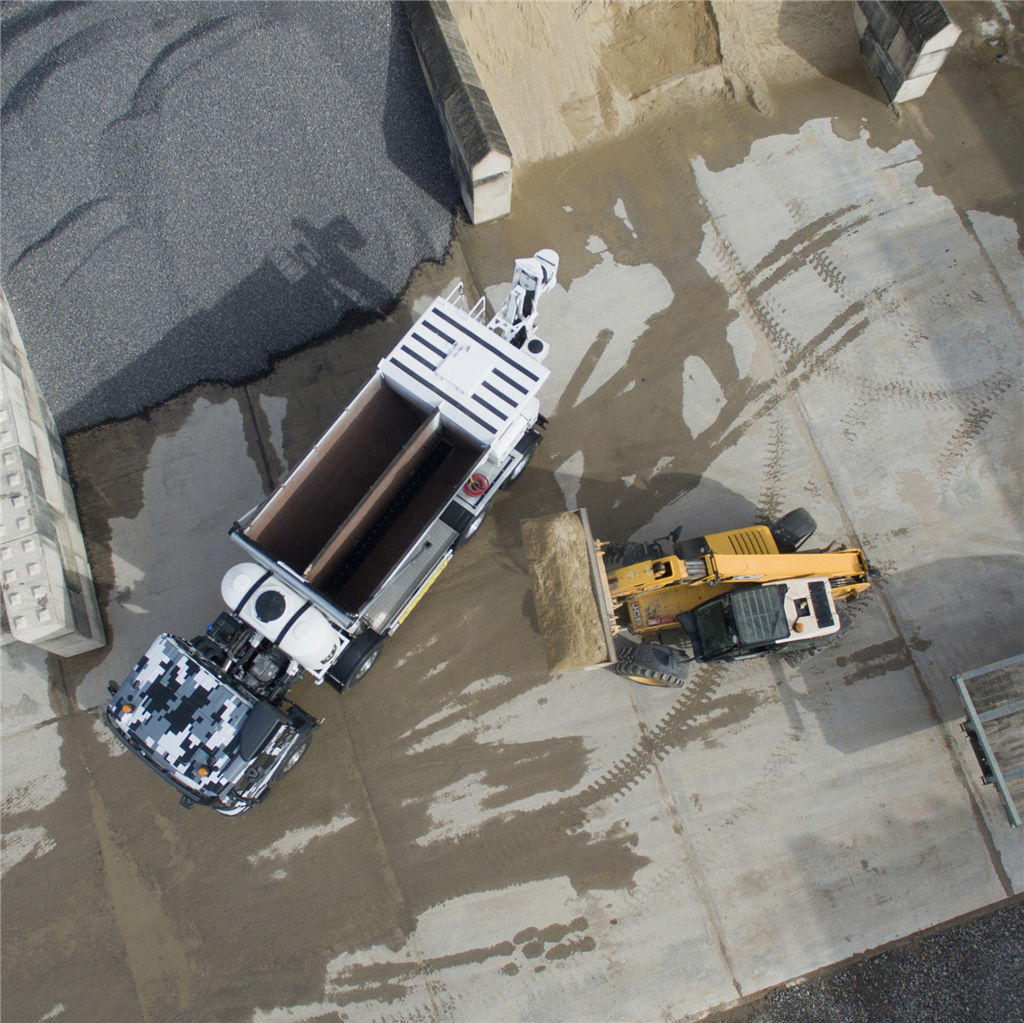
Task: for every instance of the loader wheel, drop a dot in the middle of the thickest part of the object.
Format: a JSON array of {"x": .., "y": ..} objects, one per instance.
[
  {"x": 794, "y": 657},
  {"x": 653, "y": 664},
  {"x": 618, "y": 555},
  {"x": 648, "y": 677},
  {"x": 793, "y": 530}
]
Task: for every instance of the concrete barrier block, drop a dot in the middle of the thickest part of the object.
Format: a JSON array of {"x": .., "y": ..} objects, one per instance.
[
  {"x": 913, "y": 88},
  {"x": 876, "y": 15},
  {"x": 480, "y": 154},
  {"x": 911, "y": 26},
  {"x": 904, "y": 44},
  {"x": 925, "y": 64},
  {"x": 48, "y": 595}
]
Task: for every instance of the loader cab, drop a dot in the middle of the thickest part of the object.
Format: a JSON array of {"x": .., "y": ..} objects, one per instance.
[{"x": 797, "y": 614}]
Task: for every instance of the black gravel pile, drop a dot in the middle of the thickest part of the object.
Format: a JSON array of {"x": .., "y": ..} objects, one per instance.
[
  {"x": 191, "y": 188},
  {"x": 968, "y": 974}
]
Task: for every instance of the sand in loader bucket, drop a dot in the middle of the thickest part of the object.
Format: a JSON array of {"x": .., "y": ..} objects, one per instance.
[{"x": 569, "y": 590}]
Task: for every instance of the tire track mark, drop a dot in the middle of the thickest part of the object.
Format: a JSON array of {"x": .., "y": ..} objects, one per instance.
[{"x": 768, "y": 500}]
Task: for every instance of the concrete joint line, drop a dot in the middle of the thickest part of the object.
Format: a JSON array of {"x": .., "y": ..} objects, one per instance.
[
  {"x": 1015, "y": 312},
  {"x": 387, "y": 864},
  {"x": 700, "y": 885},
  {"x": 263, "y": 462}
]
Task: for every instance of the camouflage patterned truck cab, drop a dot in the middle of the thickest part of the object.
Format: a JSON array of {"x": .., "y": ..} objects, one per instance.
[{"x": 217, "y": 743}]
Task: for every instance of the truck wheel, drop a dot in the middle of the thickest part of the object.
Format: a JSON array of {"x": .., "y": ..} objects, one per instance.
[
  {"x": 356, "y": 662},
  {"x": 235, "y": 811},
  {"x": 471, "y": 529},
  {"x": 533, "y": 442},
  {"x": 296, "y": 755}
]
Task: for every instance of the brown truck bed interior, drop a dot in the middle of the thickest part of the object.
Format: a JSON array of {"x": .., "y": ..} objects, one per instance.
[
  {"x": 375, "y": 502},
  {"x": 353, "y": 507},
  {"x": 331, "y": 481},
  {"x": 447, "y": 464}
]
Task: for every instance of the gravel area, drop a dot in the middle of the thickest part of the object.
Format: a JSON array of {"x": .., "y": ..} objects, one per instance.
[
  {"x": 967, "y": 974},
  {"x": 191, "y": 188}
]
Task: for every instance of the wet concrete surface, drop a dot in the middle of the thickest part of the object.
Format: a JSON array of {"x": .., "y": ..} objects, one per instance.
[
  {"x": 192, "y": 189},
  {"x": 470, "y": 839}
]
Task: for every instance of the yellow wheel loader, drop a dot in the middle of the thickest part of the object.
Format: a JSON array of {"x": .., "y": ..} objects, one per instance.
[{"x": 651, "y": 609}]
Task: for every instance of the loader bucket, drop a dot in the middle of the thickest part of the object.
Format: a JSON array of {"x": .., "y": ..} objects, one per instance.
[{"x": 570, "y": 590}]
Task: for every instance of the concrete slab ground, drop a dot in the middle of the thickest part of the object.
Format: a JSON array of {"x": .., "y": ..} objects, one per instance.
[{"x": 819, "y": 306}]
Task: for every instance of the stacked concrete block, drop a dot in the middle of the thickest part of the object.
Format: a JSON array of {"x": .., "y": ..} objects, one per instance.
[
  {"x": 904, "y": 43},
  {"x": 48, "y": 595},
  {"x": 480, "y": 154}
]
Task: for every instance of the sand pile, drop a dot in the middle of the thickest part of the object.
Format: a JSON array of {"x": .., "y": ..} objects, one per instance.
[
  {"x": 575, "y": 631},
  {"x": 564, "y": 74}
]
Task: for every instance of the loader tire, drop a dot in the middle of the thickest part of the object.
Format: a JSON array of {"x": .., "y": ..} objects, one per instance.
[
  {"x": 647, "y": 676},
  {"x": 795, "y": 657},
  {"x": 793, "y": 530},
  {"x": 619, "y": 555},
  {"x": 653, "y": 664}
]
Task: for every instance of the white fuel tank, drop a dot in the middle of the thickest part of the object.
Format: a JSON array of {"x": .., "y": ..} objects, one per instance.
[{"x": 280, "y": 614}]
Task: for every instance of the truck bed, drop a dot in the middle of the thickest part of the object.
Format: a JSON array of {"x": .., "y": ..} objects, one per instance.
[{"x": 353, "y": 507}]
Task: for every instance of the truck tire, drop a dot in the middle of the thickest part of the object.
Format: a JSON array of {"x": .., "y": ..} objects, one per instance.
[
  {"x": 471, "y": 529},
  {"x": 236, "y": 811},
  {"x": 355, "y": 663},
  {"x": 532, "y": 439},
  {"x": 793, "y": 530},
  {"x": 296, "y": 755}
]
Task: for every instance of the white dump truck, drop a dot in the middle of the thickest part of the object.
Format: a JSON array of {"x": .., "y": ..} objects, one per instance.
[{"x": 344, "y": 548}]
